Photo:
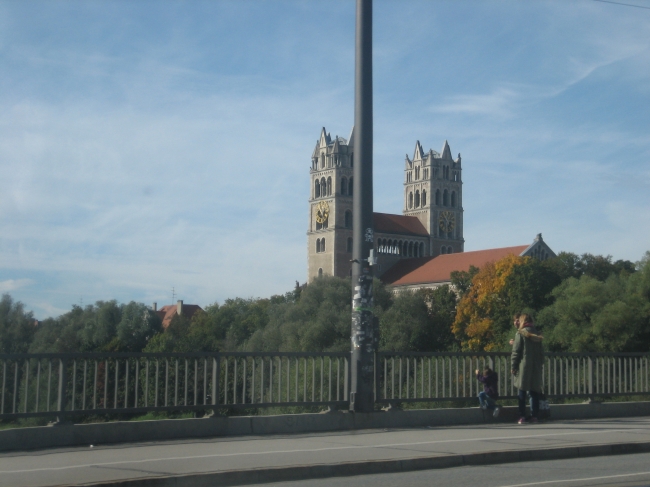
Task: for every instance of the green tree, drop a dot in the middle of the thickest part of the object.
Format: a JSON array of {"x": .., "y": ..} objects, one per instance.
[
  {"x": 138, "y": 325},
  {"x": 17, "y": 327}
]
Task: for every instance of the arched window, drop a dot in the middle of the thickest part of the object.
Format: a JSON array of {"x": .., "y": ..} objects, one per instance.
[
  {"x": 437, "y": 197},
  {"x": 322, "y": 245},
  {"x": 316, "y": 189},
  {"x": 349, "y": 246},
  {"x": 445, "y": 198},
  {"x": 424, "y": 197},
  {"x": 416, "y": 250},
  {"x": 410, "y": 249},
  {"x": 421, "y": 249},
  {"x": 391, "y": 249},
  {"x": 322, "y": 161},
  {"x": 320, "y": 272},
  {"x": 323, "y": 187},
  {"x": 417, "y": 198},
  {"x": 344, "y": 186},
  {"x": 350, "y": 187},
  {"x": 329, "y": 186},
  {"x": 318, "y": 245},
  {"x": 450, "y": 250},
  {"x": 453, "y": 199},
  {"x": 410, "y": 200},
  {"x": 319, "y": 226},
  {"x": 348, "y": 219}
]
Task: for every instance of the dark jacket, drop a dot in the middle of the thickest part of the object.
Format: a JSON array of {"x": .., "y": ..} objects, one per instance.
[
  {"x": 490, "y": 383},
  {"x": 528, "y": 359}
]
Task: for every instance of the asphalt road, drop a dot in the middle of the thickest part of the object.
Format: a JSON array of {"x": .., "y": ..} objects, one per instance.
[
  {"x": 73, "y": 466},
  {"x": 619, "y": 470}
]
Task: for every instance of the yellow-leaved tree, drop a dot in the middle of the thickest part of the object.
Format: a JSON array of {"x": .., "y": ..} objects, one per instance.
[{"x": 484, "y": 308}]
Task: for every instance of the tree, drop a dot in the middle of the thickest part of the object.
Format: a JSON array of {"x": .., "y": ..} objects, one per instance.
[
  {"x": 138, "y": 325},
  {"x": 462, "y": 280},
  {"x": 17, "y": 327},
  {"x": 593, "y": 315}
]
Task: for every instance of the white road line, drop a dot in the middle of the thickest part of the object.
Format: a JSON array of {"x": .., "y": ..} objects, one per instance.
[
  {"x": 312, "y": 450},
  {"x": 579, "y": 480}
]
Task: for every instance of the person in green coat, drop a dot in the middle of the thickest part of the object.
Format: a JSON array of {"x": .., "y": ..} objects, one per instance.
[{"x": 527, "y": 361}]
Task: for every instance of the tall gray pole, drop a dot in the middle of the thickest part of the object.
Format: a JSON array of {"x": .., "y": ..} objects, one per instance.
[{"x": 363, "y": 333}]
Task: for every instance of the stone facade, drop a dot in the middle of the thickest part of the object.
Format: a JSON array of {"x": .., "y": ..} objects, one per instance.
[{"x": 431, "y": 223}]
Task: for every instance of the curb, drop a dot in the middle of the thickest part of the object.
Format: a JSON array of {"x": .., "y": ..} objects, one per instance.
[{"x": 305, "y": 472}]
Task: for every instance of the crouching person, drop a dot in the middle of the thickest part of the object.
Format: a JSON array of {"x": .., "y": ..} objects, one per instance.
[{"x": 488, "y": 397}]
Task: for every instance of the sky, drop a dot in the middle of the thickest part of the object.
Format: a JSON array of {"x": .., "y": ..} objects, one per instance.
[{"x": 151, "y": 146}]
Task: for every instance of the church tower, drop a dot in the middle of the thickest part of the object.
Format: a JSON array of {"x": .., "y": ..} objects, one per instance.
[
  {"x": 329, "y": 237},
  {"x": 433, "y": 192}
]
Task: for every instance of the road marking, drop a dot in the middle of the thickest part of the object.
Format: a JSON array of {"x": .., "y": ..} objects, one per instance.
[
  {"x": 579, "y": 480},
  {"x": 313, "y": 450}
]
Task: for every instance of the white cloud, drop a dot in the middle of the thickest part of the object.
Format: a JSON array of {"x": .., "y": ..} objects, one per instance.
[{"x": 14, "y": 284}]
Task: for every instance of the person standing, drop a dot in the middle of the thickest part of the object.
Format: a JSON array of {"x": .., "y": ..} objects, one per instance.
[{"x": 527, "y": 361}]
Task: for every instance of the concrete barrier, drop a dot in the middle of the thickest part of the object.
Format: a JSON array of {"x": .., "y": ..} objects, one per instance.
[{"x": 218, "y": 426}]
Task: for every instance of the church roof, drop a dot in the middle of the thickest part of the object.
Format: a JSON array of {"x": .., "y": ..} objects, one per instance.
[
  {"x": 401, "y": 224},
  {"x": 438, "y": 269}
]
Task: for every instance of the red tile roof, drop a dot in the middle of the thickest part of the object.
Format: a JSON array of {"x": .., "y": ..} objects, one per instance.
[
  {"x": 403, "y": 225},
  {"x": 168, "y": 312},
  {"x": 426, "y": 270}
]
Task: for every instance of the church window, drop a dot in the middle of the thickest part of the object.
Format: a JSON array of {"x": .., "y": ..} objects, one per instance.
[
  {"x": 417, "y": 198},
  {"x": 437, "y": 197},
  {"x": 316, "y": 189},
  {"x": 350, "y": 187},
  {"x": 344, "y": 186},
  {"x": 416, "y": 249},
  {"x": 348, "y": 219},
  {"x": 323, "y": 187},
  {"x": 322, "y": 161},
  {"x": 319, "y": 226},
  {"x": 424, "y": 197},
  {"x": 421, "y": 249},
  {"x": 329, "y": 186},
  {"x": 349, "y": 247},
  {"x": 445, "y": 172},
  {"x": 325, "y": 224},
  {"x": 450, "y": 250},
  {"x": 318, "y": 245},
  {"x": 453, "y": 199},
  {"x": 445, "y": 198},
  {"x": 443, "y": 250},
  {"x": 410, "y": 249},
  {"x": 410, "y": 200},
  {"x": 320, "y": 272},
  {"x": 456, "y": 176}
]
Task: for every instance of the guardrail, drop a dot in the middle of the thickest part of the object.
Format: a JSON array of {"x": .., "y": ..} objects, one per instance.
[
  {"x": 402, "y": 377},
  {"x": 57, "y": 385}
]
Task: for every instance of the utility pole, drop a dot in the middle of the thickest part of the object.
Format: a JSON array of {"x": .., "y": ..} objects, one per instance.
[{"x": 364, "y": 334}]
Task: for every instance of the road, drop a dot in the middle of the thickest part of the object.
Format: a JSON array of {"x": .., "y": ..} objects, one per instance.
[
  {"x": 619, "y": 470},
  {"x": 73, "y": 466}
]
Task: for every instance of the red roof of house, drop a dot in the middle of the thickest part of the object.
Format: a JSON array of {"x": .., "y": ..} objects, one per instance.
[
  {"x": 168, "y": 312},
  {"x": 403, "y": 225},
  {"x": 425, "y": 270}
]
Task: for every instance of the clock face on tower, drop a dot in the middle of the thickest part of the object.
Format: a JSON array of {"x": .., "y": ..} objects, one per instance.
[
  {"x": 447, "y": 221},
  {"x": 322, "y": 212}
]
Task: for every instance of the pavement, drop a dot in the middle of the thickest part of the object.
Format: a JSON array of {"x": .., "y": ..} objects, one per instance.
[{"x": 258, "y": 459}]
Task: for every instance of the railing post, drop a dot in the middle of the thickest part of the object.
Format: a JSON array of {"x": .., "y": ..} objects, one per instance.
[
  {"x": 62, "y": 399},
  {"x": 590, "y": 373},
  {"x": 216, "y": 372}
]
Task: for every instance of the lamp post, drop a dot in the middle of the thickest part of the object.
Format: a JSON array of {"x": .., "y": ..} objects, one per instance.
[{"x": 364, "y": 335}]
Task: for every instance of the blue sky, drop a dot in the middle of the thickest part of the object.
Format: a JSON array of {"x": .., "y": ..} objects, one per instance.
[{"x": 146, "y": 145}]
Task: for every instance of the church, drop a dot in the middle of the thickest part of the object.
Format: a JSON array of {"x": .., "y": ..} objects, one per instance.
[{"x": 420, "y": 247}]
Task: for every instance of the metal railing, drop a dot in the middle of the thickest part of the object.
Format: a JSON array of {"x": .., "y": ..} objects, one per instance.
[
  {"x": 57, "y": 385},
  {"x": 402, "y": 377}
]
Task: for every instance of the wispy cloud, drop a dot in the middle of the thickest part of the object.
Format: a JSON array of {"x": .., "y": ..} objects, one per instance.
[{"x": 14, "y": 284}]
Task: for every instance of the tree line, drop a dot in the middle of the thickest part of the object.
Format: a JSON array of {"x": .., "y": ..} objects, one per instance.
[{"x": 581, "y": 303}]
